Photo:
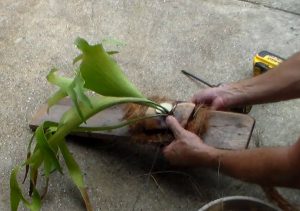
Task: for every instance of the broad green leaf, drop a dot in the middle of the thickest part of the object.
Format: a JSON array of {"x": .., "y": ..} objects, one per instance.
[
  {"x": 102, "y": 74},
  {"x": 49, "y": 127},
  {"x": 16, "y": 194},
  {"x": 57, "y": 96},
  {"x": 32, "y": 159},
  {"x": 27, "y": 157},
  {"x": 72, "y": 94},
  {"x": 79, "y": 90},
  {"x": 75, "y": 173},
  {"x": 15, "y": 191},
  {"x": 36, "y": 201},
  {"x": 49, "y": 156},
  {"x": 73, "y": 167},
  {"x": 60, "y": 81},
  {"x": 33, "y": 179},
  {"x": 74, "y": 88}
]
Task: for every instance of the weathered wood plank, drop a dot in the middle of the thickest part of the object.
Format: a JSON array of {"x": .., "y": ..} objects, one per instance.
[{"x": 225, "y": 129}]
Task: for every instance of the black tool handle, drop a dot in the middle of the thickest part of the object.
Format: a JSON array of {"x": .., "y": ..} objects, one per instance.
[{"x": 195, "y": 77}]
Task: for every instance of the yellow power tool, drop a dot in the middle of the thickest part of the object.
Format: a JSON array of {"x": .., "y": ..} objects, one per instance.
[{"x": 264, "y": 60}]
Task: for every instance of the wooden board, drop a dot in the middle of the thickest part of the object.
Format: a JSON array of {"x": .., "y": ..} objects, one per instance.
[{"x": 226, "y": 130}]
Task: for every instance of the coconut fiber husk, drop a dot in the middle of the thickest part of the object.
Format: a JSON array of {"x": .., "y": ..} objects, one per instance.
[{"x": 197, "y": 123}]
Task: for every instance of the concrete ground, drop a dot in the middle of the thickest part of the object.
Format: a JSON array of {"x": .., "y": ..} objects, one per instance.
[{"x": 214, "y": 39}]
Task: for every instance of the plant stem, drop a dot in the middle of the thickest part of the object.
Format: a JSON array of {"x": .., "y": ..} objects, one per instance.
[
  {"x": 122, "y": 124},
  {"x": 71, "y": 119}
]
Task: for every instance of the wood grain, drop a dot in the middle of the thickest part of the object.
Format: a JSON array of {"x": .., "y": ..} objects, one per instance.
[{"x": 226, "y": 130}]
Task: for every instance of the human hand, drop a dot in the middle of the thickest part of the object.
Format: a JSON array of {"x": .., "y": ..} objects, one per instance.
[
  {"x": 187, "y": 149},
  {"x": 220, "y": 97}
]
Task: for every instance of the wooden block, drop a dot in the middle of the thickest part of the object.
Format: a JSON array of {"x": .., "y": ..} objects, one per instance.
[
  {"x": 229, "y": 130},
  {"x": 225, "y": 130}
]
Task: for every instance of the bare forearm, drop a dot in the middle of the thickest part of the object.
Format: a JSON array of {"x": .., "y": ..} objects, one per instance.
[
  {"x": 265, "y": 166},
  {"x": 281, "y": 83}
]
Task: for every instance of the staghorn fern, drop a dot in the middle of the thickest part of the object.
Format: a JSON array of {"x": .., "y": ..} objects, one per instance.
[{"x": 99, "y": 73}]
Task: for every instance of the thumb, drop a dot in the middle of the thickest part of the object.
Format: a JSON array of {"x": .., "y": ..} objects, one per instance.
[{"x": 175, "y": 127}]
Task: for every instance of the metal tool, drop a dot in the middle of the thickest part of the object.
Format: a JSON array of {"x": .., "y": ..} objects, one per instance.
[
  {"x": 198, "y": 79},
  {"x": 238, "y": 109}
]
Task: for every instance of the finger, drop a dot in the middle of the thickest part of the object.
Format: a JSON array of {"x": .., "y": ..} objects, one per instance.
[
  {"x": 175, "y": 127},
  {"x": 194, "y": 98},
  {"x": 218, "y": 104},
  {"x": 202, "y": 97},
  {"x": 197, "y": 98}
]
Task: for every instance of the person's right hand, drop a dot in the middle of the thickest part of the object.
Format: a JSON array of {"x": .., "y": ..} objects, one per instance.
[
  {"x": 187, "y": 149},
  {"x": 221, "y": 97}
]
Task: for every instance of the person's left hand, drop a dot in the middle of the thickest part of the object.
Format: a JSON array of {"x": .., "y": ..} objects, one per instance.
[{"x": 187, "y": 149}]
